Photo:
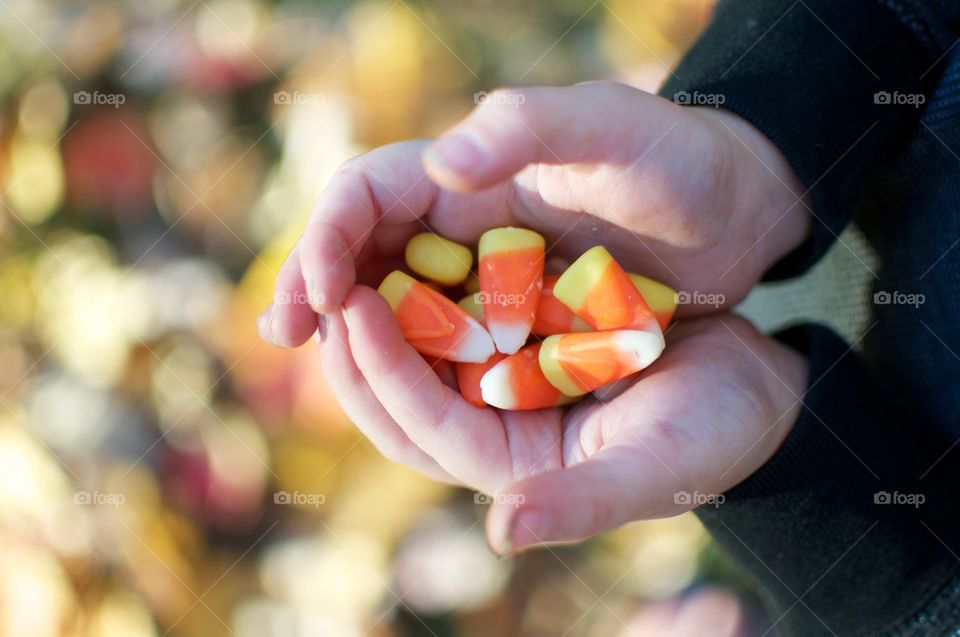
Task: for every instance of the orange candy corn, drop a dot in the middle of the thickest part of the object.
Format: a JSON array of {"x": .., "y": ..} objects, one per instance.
[
  {"x": 598, "y": 290},
  {"x": 579, "y": 363},
  {"x": 511, "y": 273},
  {"x": 432, "y": 323},
  {"x": 553, "y": 317},
  {"x": 469, "y": 376},
  {"x": 660, "y": 298},
  {"x": 516, "y": 382}
]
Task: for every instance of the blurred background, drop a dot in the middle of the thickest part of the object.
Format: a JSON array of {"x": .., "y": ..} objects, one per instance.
[{"x": 162, "y": 471}]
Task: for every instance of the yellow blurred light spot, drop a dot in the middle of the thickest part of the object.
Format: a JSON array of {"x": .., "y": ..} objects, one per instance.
[
  {"x": 238, "y": 451},
  {"x": 81, "y": 313},
  {"x": 343, "y": 576},
  {"x": 122, "y": 615},
  {"x": 36, "y": 593},
  {"x": 17, "y": 291},
  {"x": 181, "y": 382},
  {"x": 43, "y": 109},
  {"x": 228, "y": 27},
  {"x": 31, "y": 481},
  {"x": 34, "y": 178}
]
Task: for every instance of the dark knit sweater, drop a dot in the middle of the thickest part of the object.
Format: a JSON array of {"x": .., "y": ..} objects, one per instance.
[{"x": 853, "y": 527}]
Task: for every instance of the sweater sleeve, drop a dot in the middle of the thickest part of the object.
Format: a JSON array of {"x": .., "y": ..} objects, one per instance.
[
  {"x": 834, "y": 84},
  {"x": 846, "y": 529}
]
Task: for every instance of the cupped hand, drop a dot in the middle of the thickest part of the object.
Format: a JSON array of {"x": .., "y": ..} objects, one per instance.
[
  {"x": 694, "y": 197},
  {"x": 702, "y": 418}
]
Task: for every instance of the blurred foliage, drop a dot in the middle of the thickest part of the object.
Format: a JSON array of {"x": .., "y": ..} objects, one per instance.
[{"x": 161, "y": 470}]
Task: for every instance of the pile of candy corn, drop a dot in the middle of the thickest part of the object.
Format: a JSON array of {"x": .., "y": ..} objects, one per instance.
[{"x": 520, "y": 339}]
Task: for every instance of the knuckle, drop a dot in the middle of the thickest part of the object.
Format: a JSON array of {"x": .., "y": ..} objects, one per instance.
[
  {"x": 353, "y": 165},
  {"x": 600, "y": 516}
]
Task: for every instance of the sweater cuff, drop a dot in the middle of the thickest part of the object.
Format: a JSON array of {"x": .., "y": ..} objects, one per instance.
[
  {"x": 845, "y": 529},
  {"x": 834, "y": 85}
]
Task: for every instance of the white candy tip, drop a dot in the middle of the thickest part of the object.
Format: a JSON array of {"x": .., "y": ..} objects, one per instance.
[
  {"x": 509, "y": 337},
  {"x": 476, "y": 346},
  {"x": 644, "y": 347},
  {"x": 495, "y": 387}
]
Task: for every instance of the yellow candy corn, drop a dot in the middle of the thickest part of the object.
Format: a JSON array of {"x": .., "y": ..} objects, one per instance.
[
  {"x": 517, "y": 382},
  {"x": 511, "y": 273},
  {"x": 472, "y": 306},
  {"x": 662, "y": 299},
  {"x": 432, "y": 323},
  {"x": 438, "y": 259},
  {"x": 598, "y": 290},
  {"x": 579, "y": 363}
]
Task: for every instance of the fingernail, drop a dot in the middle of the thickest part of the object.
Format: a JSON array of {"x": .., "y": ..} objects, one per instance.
[
  {"x": 265, "y": 324},
  {"x": 322, "y": 327},
  {"x": 530, "y": 527},
  {"x": 457, "y": 152}
]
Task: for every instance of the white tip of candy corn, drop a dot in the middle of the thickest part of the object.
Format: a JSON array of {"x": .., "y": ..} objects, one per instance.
[
  {"x": 509, "y": 337},
  {"x": 495, "y": 387},
  {"x": 642, "y": 347},
  {"x": 476, "y": 345}
]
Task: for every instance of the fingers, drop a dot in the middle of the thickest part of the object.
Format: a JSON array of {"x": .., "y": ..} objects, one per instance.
[
  {"x": 288, "y": 321},
  {"x": 362, "y": 406},
  {"x": 382, "y": 187},
  {"x": 512, "y": 128},
  {"x": 469, "y": 443},
  {"x": 617, "y": 485}
]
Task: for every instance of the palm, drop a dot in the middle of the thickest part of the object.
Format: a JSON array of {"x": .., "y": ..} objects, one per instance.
[
  {"x": 676, "y": 423},
  {"x": 683, "y": 195}
]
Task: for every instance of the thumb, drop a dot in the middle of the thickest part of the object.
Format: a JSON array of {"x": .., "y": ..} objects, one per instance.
[
  {"x": 511, "y": 128},
  {"x": 615, "y": 486}
]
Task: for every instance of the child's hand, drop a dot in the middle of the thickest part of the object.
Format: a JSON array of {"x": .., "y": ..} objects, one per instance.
[
  {"x": 702, "y": 418},
  {"x": 694, "y": 197}
]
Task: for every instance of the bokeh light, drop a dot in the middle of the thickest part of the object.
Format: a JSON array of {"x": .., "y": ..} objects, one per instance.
[{"x": 162, "y": 471}]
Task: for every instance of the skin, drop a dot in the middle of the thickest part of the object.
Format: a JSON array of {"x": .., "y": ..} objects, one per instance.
[{"x": 694, "y": 197}]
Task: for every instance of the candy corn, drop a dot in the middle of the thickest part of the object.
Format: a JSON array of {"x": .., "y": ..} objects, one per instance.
[
  {"x": 660, "y": 298},
  {"x": 553, "y": 317},
  {"x": 472, "y": 284},
  {"x": 438, "y": 259},
  {"x": 511, "y": 273},
  {"x": 469, "y": 375},
  {"x": 579, "y": 363},
  {"x": 516, "y": 382},
  {"x": 601, "y": 324},
  {"x": 598, "y": 290},
  {"x": 432, "y": 323}
]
